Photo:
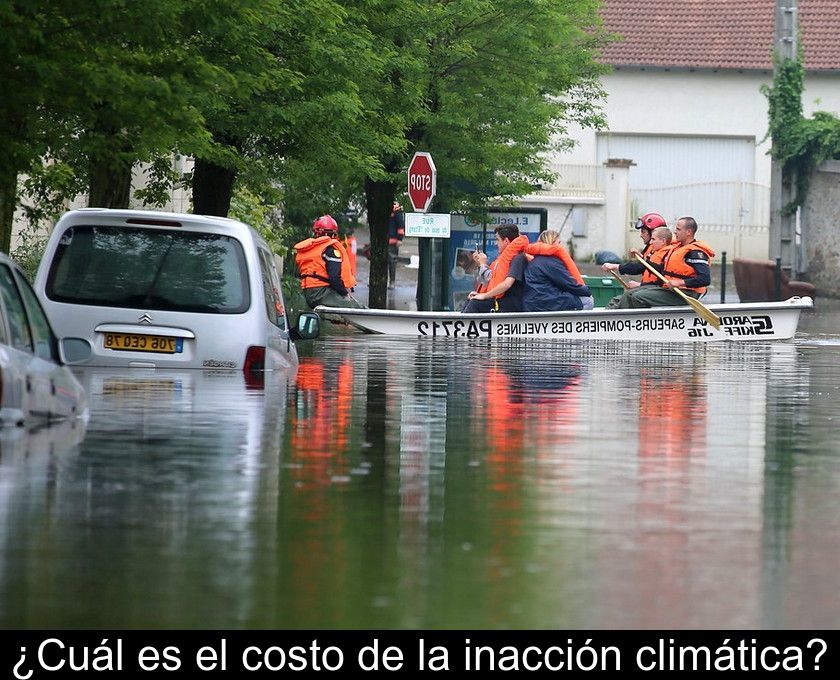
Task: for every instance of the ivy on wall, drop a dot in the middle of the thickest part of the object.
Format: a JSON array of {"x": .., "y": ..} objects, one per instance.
[{"x": 800, "y": 144}]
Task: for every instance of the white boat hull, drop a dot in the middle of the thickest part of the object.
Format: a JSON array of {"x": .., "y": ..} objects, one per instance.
[{"x": 759, "y": 321}]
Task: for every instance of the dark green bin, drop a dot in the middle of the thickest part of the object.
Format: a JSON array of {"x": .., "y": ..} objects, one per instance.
[{"x": 604, "y": 288}]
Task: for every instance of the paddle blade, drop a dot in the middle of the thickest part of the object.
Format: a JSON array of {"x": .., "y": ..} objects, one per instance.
[{"x": 701, "y": 309}]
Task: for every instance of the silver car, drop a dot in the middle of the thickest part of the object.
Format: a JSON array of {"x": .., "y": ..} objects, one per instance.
[
  {"x": 35, "y": 385},
  {"x": 167, "y": 290}
]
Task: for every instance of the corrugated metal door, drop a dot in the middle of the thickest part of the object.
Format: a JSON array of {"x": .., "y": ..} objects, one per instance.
[{"x": 667, "y": 161}]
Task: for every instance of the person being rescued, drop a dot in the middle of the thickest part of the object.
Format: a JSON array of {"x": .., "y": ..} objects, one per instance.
[
  {"x": 687, "y": 266},
  {"x": 324, "y": 267},
  {"x": 504, "y": 290},
  {"x": 553, "y": 282},
  {"x": 654, "y": 252}
]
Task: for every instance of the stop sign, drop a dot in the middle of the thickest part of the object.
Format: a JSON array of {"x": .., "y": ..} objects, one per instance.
[{"x": 422, "y": 181}]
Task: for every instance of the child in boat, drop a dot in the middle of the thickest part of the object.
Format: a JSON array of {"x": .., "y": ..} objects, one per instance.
[{"x": 658, "y": 249}]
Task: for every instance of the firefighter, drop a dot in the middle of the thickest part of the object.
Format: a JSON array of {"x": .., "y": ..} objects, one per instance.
[
  {"x": 350, "y": 245},
  {"x": 324, "y": 267},
  {"x": 646, "y": 224},
  {"x": 396, "y": 234}
]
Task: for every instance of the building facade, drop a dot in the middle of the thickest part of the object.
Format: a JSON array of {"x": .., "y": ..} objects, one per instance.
[{"x": 685, "y": 108}]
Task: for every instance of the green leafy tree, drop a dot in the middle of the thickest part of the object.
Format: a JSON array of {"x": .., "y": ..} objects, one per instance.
[
  {"x": 487, "y": 86},
  {"x": 799, "y": 143},
  {"x": 37, "y": 39},
  {"x": 146, "y": 88},
  {"x": 363, "y": 159},
  {"x": 98, "y": 85},
  {"x": 297, "y": 100}
]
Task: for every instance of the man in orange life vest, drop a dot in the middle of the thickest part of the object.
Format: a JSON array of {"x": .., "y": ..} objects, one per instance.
[
  {"x": 686, "y": 266},
  {"x": 324, "y": 267},
  {"x": 503, "y": 293}
]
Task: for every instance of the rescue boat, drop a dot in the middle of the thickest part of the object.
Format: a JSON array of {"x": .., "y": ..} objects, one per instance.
[{"x": 758, "y": 321}]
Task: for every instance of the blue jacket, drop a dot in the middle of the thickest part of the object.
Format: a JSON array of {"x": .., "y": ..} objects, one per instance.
[{"x": 550, "y": 288}]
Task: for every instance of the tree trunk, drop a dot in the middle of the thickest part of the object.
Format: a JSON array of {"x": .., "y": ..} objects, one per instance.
[
  {"x": 379, "y": 198},
  {"x": 212, "y": 188},
  {"x": 8, "y": 201},
  {"x": 110, "y": 182}
]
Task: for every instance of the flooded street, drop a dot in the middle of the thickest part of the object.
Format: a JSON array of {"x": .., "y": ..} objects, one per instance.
[{"x": 401, "y": 483}]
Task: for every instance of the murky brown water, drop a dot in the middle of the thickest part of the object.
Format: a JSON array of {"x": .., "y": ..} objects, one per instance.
[{"x": 402, "y": 483}]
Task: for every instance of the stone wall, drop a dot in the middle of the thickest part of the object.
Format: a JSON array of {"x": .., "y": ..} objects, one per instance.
[{"x": 821, "y": 229}]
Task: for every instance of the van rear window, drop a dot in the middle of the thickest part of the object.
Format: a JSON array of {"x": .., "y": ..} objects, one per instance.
[{"x": 149, "y": 269}]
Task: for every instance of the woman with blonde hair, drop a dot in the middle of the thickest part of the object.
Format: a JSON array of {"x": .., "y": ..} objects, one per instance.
[{"x": 553, "y": 282}]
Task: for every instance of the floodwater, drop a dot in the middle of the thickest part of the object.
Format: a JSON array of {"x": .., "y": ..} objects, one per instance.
[{"x": 400, "y": 483}]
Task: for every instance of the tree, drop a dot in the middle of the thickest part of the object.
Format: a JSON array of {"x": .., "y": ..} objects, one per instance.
[
  {"x": 37, "y": 38},
  {"x": 390, "y": 84},
  {"x": 487, "y": 86},
  {"x": 98, "y": 86},
  {"x": 297, "y": 100},
  {"x": 800, "y": 144}
]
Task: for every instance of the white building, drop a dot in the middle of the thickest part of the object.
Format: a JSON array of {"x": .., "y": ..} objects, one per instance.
[{"x": 685, "y": 106}]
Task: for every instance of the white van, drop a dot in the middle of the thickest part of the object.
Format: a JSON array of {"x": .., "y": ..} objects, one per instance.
[{"x": 167, "y": 290}]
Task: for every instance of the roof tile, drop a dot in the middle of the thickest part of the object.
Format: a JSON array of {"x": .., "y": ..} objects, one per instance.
[{"x": 716, "y": 34}]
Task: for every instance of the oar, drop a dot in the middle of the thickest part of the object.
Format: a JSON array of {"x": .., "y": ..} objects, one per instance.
[
  {"x": 699, "y": 307},
  {"x": 618, "y": 278}
]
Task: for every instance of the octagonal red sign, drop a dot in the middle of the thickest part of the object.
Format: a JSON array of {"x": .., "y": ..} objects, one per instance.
[{"x": 422, "y": 181}]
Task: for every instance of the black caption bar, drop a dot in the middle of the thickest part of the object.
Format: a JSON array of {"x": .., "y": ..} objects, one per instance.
[{"x": 143, "y": 654}]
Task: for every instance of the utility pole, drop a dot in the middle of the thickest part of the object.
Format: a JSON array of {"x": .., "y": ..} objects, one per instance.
[{"x": 782, "y": 227}]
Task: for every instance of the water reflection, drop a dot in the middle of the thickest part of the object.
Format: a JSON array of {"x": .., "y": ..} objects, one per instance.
[
  {"x": 153, "y": 522},
  {"x": 401, "y": 483},
  {"x": 319, "y": 417},
  {"x": 549, "y": 478}
]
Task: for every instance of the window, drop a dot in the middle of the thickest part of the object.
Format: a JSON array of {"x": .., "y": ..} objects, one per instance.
[
  {"x": 271, "y": 287},
  {"x": 153, "y": 269},
  {"x": 20, "y": 335},
  {"x": 46, "y": 346}
]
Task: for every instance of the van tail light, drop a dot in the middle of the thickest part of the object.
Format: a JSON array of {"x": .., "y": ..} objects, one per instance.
[{"x": 254, "y": 359}]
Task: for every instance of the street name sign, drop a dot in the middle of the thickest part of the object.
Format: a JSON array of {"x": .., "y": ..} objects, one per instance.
[{"x": 428, "y": 225}]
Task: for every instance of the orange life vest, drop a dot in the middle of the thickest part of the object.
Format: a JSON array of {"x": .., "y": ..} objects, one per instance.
[
  {"x": 351, "y": 248},
  {"x": 657, "y": 258},
  {"x": 676, "y": 266},
  {"x": 558, "y": 251},
  {"x": 396, "y": 228},
  {"x": 501, "y": 265},
  {"x": 312, "y": 269}
]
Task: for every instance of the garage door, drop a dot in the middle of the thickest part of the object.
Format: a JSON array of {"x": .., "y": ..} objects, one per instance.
[{"x": 677, "y": 160}]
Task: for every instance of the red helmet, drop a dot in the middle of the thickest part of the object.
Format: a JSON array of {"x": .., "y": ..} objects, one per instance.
[
  {"x": 325, "y": 224},
  {"x": 650, "y": 221}
]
